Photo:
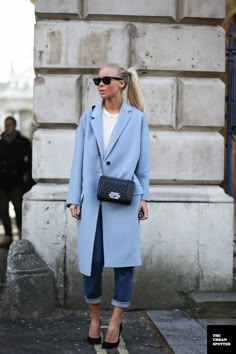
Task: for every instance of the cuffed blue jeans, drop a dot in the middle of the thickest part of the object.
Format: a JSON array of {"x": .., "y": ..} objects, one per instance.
[{"x": 93, "y": 284}]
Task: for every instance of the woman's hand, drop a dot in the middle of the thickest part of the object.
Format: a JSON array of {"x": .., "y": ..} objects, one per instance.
[
  {"x": 144, "y": 209},
  {"x": 75, "y": 211}
]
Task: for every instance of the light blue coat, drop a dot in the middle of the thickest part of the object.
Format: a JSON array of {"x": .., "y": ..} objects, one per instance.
[{"x": 128, "y": 154}]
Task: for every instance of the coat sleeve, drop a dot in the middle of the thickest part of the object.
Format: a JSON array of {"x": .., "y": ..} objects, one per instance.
[
  {"x": 142, "y": 170},
  {"x": 76, "y": 176}
]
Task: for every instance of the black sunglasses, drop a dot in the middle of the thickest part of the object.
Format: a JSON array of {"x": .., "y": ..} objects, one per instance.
[{"x": 106, "y": 79}]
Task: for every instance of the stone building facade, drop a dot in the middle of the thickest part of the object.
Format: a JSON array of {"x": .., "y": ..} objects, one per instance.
[{"x": 178, "y": 48}]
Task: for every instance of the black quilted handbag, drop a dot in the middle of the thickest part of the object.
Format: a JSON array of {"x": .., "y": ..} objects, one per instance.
[
  {"x": 115, "y": 190},
  {"x": 112, "y": 189}
]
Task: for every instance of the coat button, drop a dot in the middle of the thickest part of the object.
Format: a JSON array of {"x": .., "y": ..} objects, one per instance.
[{"x": 108, "y": 163}]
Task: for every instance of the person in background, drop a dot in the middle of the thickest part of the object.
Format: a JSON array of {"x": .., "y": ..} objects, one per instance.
[{"x": 15, "y": 176}]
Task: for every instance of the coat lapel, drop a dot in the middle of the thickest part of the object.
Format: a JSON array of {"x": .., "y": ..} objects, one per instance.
[
  {"x": 97, "y": 126},
  {"x": 124, "y": 117}
]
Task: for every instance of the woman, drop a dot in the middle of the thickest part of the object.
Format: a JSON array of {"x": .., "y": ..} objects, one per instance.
[{"x": 108, "y": 233}]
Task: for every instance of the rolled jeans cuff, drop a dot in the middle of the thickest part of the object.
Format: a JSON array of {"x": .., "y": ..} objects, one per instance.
[
  {"x": 93, "y": 301},
  {"x": 123, "y": 305}
]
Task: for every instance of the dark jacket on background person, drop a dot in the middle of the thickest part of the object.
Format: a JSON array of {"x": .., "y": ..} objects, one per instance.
[{"x": 15, "y": 161}]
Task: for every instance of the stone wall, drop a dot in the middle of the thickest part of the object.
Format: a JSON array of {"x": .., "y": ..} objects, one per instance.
[{"x": 178, "y": 48}]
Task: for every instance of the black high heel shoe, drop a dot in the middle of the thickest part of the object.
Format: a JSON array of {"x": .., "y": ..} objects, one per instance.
[
  {"x": 109, "y": 345},
  {"x": 94, "y": 341}
]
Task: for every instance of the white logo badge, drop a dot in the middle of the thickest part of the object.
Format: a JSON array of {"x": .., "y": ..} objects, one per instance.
[{"x": 114, "y": 195}]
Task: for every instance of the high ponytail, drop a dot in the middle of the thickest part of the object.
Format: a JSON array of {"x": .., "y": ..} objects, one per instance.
[
  {"x": 131, "y": 79},
  {"x": 134, "y": 93}
]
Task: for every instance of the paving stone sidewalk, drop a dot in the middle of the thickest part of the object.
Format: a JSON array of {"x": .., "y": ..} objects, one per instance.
[{"x": 65, "y": 332}]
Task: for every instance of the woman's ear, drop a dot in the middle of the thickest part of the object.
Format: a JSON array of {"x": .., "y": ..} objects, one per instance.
[{"x": 122, "y": 84}]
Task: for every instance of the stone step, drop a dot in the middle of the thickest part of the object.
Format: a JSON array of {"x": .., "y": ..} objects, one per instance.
[
  {"x": 183, "y": 334},
  {"x": 213, "y": 305}
]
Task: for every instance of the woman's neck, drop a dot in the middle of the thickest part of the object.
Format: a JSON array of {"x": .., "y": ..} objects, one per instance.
[{"x": 113, "y": 105}]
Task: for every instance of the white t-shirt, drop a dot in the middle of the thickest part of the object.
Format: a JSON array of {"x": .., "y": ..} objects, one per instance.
[{"x": 109, "y": 122}]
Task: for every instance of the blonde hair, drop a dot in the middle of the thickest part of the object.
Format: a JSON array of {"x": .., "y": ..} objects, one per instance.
[{"x": 130, "y": 76}]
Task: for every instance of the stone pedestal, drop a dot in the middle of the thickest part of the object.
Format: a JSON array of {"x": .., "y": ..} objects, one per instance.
[{"x": 29, "y": 290}]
